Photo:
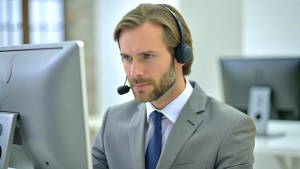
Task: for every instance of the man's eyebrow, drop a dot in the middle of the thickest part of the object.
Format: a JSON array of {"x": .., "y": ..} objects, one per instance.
[
  {"x": 142, "y": 53},
  {"x": 147, "y": 52},
  {"x": 123, "y": 54}
]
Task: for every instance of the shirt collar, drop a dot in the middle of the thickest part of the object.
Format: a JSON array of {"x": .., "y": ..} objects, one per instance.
[{"x": 173, "y": 109}]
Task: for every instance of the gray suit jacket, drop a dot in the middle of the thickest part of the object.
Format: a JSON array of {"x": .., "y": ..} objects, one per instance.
[{"x": 208, "y": 134}]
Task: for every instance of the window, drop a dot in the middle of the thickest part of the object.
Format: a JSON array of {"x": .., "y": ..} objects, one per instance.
[
  {"x": 31, "y": 21},
  {"x": 46, "y": 21},
  {"x": 11, "y": 31}
]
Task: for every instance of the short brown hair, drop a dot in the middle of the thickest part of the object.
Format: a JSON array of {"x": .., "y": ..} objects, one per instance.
[{"x": 158, "y": 14}]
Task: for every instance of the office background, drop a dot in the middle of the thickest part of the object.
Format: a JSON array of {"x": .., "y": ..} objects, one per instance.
[{"x": 230, "y": 28}]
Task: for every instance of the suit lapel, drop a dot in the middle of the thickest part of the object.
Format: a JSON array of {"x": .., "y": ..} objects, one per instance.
[
  {"x": 136, "y": 137},
  {"x": 186, "y": 124}
]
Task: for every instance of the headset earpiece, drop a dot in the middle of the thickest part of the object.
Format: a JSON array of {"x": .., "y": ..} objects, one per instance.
[{"x": 183, "y": 53}]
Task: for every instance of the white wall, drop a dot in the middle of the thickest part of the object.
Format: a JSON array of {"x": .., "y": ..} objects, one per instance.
[
  {"x": 271, "y": 27},
  {"x": 216, "y": 28}
]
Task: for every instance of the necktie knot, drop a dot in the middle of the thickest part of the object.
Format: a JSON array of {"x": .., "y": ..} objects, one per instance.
[{"x": 156, "y": 119}]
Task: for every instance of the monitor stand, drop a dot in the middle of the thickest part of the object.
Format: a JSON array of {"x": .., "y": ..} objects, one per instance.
[
  {"x": 7, "y": 129},
  {"x": 259, "y": 108}
]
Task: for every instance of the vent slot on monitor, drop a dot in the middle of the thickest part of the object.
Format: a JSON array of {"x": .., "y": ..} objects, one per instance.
[{"x": 17, "y": 136}]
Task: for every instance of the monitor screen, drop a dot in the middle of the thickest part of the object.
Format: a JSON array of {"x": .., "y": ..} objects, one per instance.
[
  {"x": 281, "y": 75},
  {"x": 45, "y": 85}
]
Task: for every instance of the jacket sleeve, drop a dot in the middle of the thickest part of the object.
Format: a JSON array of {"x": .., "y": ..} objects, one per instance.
[
  {"x": 236, "y": 150},
  {"x": 98, "y": 150}
]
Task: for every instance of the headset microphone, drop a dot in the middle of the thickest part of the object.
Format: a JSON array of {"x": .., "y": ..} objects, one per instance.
[{"x": 123, "y": 89}]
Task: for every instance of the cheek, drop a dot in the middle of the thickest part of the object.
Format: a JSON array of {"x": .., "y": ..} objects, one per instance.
[
  {"x": 151, "y": 69},
  {"x": 157, "y": 72},
  {"x": 126, "y": 68}
]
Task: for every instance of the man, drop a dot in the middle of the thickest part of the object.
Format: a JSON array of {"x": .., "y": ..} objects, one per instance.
[{"x": 171, "y": 123}]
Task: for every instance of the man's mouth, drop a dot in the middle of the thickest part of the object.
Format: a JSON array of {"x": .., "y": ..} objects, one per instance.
[{"x": 140, "y": 86}]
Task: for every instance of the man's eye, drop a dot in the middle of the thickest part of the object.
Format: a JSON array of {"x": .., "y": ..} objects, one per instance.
[
  {"x": 148, "y": 56},
  {"x": 126, "y": 57}
]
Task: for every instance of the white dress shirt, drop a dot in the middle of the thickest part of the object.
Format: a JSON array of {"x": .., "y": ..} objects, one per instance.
[{"x": 170, "y": 112}]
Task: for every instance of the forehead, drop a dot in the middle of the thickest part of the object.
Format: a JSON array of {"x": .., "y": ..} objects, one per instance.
[{"x": 149, "y": 33}]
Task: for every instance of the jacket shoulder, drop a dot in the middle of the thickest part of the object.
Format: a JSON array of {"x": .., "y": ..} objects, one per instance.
[{"x": 124, "y": 110}]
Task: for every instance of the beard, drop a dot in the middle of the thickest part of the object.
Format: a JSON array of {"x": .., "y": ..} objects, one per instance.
[{"x": 166, "y": 81}]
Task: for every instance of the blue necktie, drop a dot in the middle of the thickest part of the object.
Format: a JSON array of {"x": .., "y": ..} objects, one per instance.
[{"x": 154, "y": 146}]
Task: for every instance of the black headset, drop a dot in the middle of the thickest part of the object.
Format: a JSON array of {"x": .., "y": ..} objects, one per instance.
[{"x": 183, "y": 52}]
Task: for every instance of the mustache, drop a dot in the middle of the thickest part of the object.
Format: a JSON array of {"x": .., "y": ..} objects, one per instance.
[{"x": 135, "y": 81}]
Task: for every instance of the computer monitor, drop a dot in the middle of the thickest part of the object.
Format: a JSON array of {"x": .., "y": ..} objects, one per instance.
[
  {"x": 43, "y": 96},
  {"x": 279, "y": 79}
]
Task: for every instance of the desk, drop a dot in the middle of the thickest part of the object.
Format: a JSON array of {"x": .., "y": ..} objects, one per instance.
[{"x": 279, "y": 147}]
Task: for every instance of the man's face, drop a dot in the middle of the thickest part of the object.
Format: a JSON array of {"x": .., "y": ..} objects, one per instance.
[{"x": 148, "y": 64}]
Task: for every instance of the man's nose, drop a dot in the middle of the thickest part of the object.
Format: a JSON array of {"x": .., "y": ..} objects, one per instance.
[{"x": 136, "y": 70}]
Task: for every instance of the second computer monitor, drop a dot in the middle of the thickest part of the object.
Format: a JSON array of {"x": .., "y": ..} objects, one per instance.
[{"x": 280, "y": 75}]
